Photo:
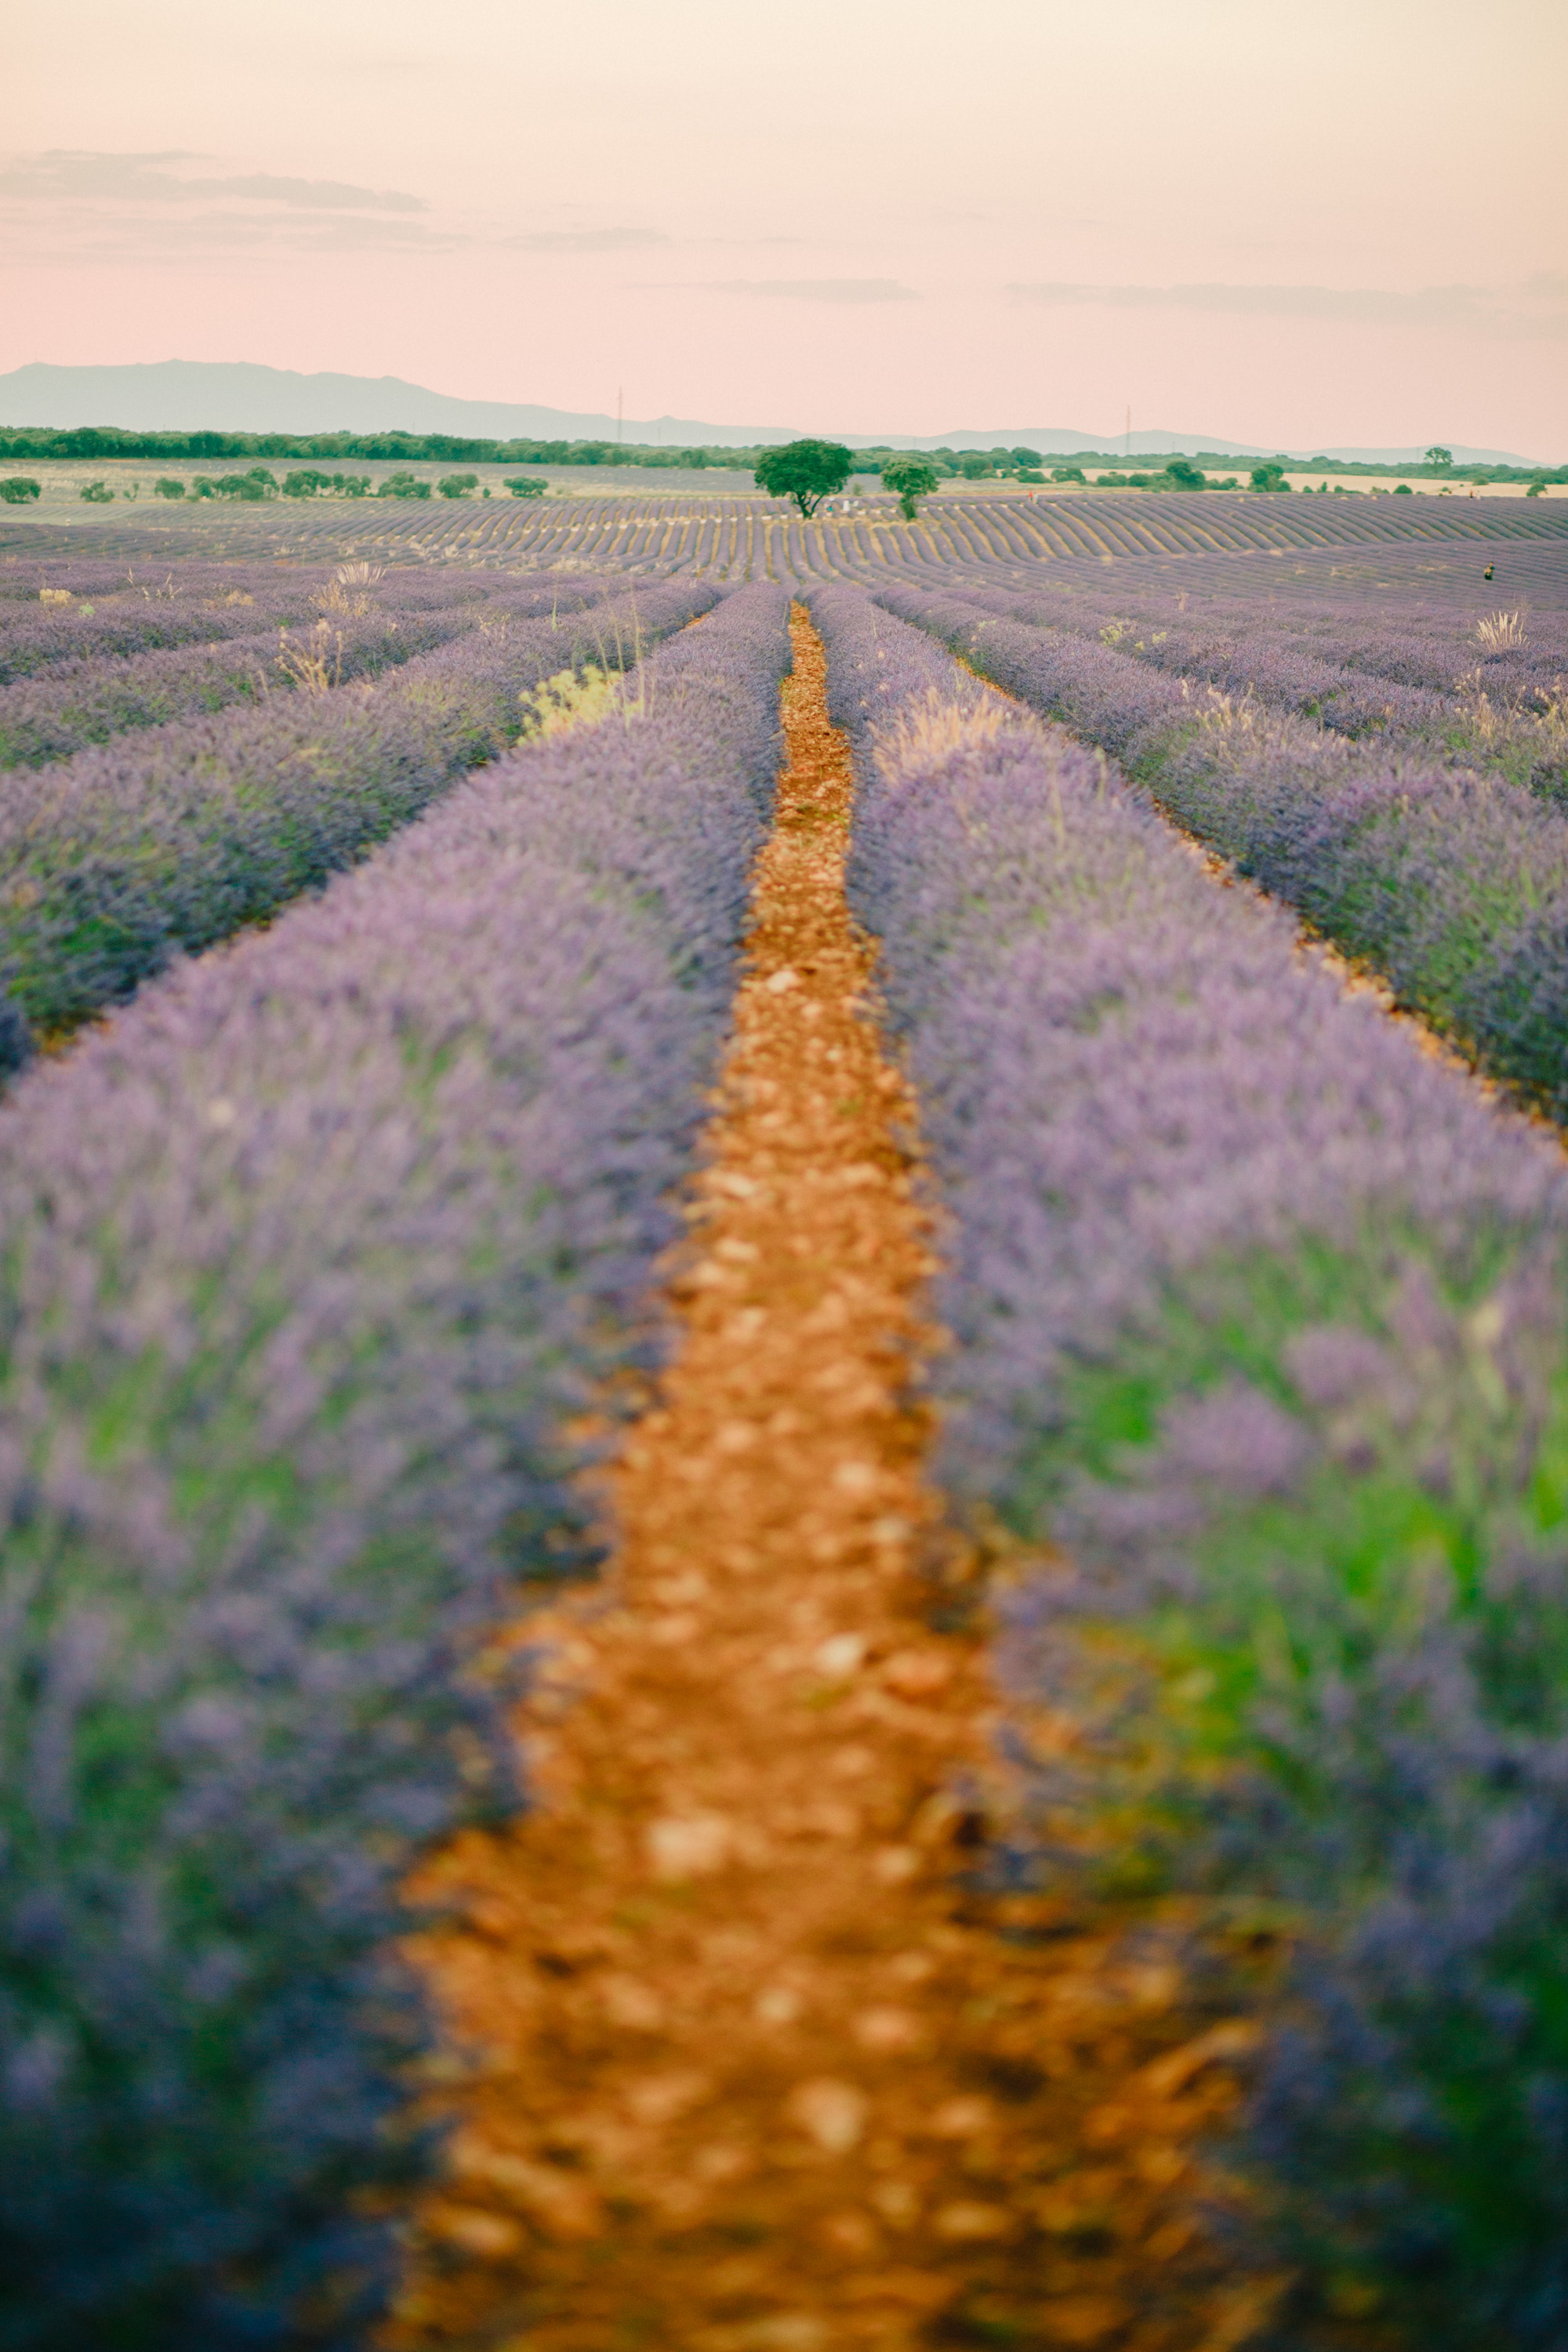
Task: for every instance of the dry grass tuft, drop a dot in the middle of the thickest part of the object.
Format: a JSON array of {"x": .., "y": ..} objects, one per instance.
[{"x": 1499, "y": 632}]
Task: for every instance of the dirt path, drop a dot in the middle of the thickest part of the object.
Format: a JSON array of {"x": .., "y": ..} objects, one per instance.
[{"x": 762, "y": 2071}]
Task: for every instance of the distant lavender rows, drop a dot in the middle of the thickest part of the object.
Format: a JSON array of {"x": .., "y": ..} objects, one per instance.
[
  {"x": 210, "y": 604},
  {"x": 311, "y": 1257},
  {"x": 1453, "y": 884},
  {"x": 64, "y": 708},
  {"x": 356, "y": 632},
  {"x": 1429, "y": 691},
  {"x": 1259, "y": 1315},
  {"x": 165, "y": 843},
  {"x": 1430, "y": 655}
]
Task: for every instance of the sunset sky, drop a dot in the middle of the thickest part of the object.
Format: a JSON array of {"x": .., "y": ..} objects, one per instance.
[{"x": 1299, "y": 226}]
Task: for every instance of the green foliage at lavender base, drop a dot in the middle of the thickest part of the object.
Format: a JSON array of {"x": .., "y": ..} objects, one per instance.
[{"x": 1249, "y": 1703}]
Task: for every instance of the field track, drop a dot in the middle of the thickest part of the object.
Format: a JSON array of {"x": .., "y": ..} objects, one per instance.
[
  {"x": 749, "y": 539},
  {"x": 759, "y": 2070}
]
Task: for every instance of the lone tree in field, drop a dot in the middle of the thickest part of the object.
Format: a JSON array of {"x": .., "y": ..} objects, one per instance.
[
  {"x": 912, "y": 479},
  {"x": 1438, "y": 455},
  {"x": 805, "y": 471}
]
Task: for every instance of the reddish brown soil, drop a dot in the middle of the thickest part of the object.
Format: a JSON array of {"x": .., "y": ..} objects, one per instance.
[{"x": 757, "y": 2068}]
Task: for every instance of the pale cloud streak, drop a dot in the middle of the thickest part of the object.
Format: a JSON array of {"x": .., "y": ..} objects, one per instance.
[
  {"x": 70, "y": 176},
  {"x": 1534, "y": 307},
  {"x": 584, "y": 240},
  {"x": 810, "y": 289}
]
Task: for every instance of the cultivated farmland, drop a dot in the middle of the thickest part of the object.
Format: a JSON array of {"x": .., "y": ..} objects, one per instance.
[{"x": 784, "y": 1425}]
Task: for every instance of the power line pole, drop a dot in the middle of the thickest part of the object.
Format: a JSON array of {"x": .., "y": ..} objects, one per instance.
[
  {"x": 1129, "y": 428},
  {"x": 620, "y": 430}
]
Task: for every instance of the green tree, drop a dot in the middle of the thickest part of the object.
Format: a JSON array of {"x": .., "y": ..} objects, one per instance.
[
  {"x": 16, "y": 490},
  {"x": 975, "y": 468},
  {"x": 306, "y": 483},
  {"x": 912, "y": 479},
  {"x": 404, "y": 484},
  {"x": 1183, "y": 475},
  {"x": 526, "y": 486},
  {"x": 1269, "y": 477},
  {"x": 1067, "y": 473},
  {"x": 696, "y": 458},
  {"x": 167, "y": 486},
  {"x": 97, "y": 494},
  {"x": 457, "y": 486},
  {"x": 805, "y": 471},
  {"x": 1027, "y": 458},
  {"x": 1439, "y": 456},
  {"x": 1537, "y": 488}
]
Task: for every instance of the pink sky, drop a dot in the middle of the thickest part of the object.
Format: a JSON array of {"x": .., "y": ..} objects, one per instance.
[{"x": 1303, "y": 226}]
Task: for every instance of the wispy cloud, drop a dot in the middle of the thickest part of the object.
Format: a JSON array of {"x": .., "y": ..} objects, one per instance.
[
  {"x": 77, "y": 176},
  {"x": 584, "y": 240},
  {"x": 815, "y": 289},
  {"x": 1535, "y": 306}
]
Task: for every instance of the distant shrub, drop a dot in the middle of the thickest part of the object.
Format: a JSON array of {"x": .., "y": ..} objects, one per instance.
[
  {"x": 404, "y": 484},
  {"x": 975, "y": 468},
  {"x": 1067, "y": 474},
  {"x": 306, "y": 483},
  {"x": 457, "y": 486},
  {"x": 1030, "y": 474},
  {"x": 1025, "y": 458},
  {"x": 247, "y": 487},
  {"x": 1403, "y": 490},
  {"x": 912, "y": 479},
  {"x": 691, "y": 457},
  {"x": 526, "y": 486},
  {"x": 165, "y": 487},
  {"x": 18, "y": 489},
  {"x": 1269, "y": 477},
  {"x": 97, "y": 494},
  {"x": 1183, "y": 474},
  {"x": 1536, "y": 491}
]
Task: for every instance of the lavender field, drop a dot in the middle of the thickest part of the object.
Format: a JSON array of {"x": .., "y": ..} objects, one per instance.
[{"x": 373, "y": 897}]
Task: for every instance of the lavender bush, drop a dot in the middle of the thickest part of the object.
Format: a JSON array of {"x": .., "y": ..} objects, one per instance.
[
  {"x": 310, "y": 1256},
  {"x": 71, "y": 705},
  {"x": 1453, "y": 885},
  {"x": 126, "y": 856},
  {"x": 1258, "y": 1315},
  {"x": 1443, "y": 697},
  {"x": 358, "y": 631},
  {"x": 43, "y": 635}
]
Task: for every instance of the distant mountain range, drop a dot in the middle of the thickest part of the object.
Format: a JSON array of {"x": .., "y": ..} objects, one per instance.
[{"x": 237, "y": 396}]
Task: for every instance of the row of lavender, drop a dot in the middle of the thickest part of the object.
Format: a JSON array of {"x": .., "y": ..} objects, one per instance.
[
  {"x": 315, "y": 636},
  {"x": 1258, "y": 1315},
  {"x": 1452, "y": 883},
  {"x": 163, "y": 842},
  {"x": 1198, "y": 625},
  {"x": 311, "y": 1259},
  {"x": 1497, "y": 700}
]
